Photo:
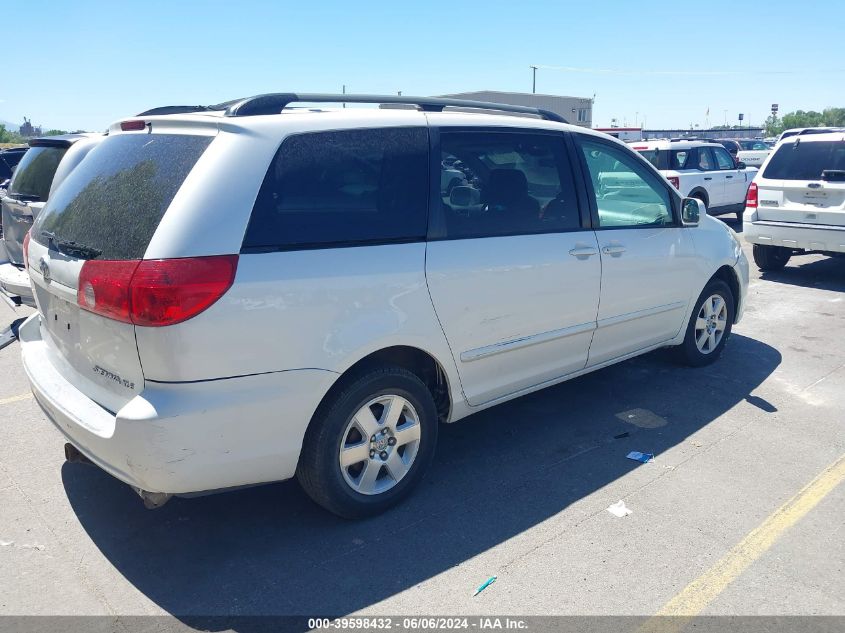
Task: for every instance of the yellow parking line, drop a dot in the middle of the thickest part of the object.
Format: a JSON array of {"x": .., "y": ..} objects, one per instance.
[
  {"x": 23, "y": 396},
  {"x": 704, "y": 589}
]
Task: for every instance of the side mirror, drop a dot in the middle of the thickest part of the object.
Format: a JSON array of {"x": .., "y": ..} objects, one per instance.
[
  {"x": 691, "y": 211},
  {"x": 740, "y": 165},
  {"x": 463, "y": 196}
]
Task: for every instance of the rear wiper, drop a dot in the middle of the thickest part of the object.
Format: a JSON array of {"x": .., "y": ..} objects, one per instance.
[
  {"x": 24, "y": 197},
  {"x": 70, "y": 247}
]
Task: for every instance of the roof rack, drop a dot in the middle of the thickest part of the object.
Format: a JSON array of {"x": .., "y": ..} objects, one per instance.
[
  {"x": 186, "y": 109},
  {"x": 275, "y": 103}
]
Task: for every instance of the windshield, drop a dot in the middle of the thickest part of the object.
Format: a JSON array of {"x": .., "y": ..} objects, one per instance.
[
  {"x": 112, "y": 203},
  {"x": 806, "y": 160},
  {"x": 35, "y": 172}
]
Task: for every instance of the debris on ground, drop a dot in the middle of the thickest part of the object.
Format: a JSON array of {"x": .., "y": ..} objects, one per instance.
[
  {"x": 637, "y": 456},
  {"x": 484, "y": 585},
  {"x": 619, "y": 509}
]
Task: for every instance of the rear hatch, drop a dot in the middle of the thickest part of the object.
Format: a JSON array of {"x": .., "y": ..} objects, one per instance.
[
  {"x": 804, "y": 182},
  {"x": 28, "y": 191},
  {"x": 96, "y": 229}
]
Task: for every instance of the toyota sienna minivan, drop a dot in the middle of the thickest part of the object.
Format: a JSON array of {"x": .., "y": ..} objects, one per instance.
[{"x": 322, "y": 313}]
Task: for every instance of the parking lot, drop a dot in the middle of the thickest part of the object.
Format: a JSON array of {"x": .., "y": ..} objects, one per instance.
[{"x": 519, "y": 492}]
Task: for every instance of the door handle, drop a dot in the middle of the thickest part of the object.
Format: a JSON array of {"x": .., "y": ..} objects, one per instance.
[
  {"x": 583, "y": 252},
  {"x": 708, "y": 178},
  {"x": 613, "y": 249}
]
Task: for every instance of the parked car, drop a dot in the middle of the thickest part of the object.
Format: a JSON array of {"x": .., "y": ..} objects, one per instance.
[
  {"x": 9, "y": 159},
  {"x": 796, "y": 204},
  {"x": 319, "y": 315},
  {"x": 807, "y": 130},
  {"x": 753, "y": 152},
  {"x": 729, "y": 144},
  {"x": 703, "y": 170},
  {"x": 46, "y": 163}
]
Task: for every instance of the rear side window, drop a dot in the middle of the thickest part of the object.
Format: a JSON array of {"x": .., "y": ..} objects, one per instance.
[
  {"x": 801, "y": 160},
  {"x": 652, "y": 156},
  {"x": 35, "y": 172},
  {"x": 343, "y": 188},
  {"x": 681, "y": 159},
  {"x": 114, "y": 200}
]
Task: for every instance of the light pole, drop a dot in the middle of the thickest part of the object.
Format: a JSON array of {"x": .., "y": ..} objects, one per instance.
[{"x": 533, "y": 79}]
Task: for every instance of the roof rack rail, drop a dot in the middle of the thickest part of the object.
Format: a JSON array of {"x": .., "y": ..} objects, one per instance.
[
  {"x": 186, "y": 109},
  {"x": 276, "y": 102}
]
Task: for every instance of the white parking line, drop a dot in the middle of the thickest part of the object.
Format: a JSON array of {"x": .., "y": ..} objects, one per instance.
[{"x": 23, "y": 396}]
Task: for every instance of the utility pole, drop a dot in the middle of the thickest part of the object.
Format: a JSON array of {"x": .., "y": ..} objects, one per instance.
[
  {"x": 534, "y": 79},
  {"x": 344, "y": 92}
]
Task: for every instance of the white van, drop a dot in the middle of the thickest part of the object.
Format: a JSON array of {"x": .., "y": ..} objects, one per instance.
[{"x": 320, "y": 314}]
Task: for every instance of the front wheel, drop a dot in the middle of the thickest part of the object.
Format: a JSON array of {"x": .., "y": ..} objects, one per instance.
[
  {"x": 771, "y": 258},
  {"x": 709, "y": 326},
  {"x": 370, "y": 444}
]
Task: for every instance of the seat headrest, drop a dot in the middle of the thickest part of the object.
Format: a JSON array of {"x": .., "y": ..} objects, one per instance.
[{"x": 505, "y": 184}]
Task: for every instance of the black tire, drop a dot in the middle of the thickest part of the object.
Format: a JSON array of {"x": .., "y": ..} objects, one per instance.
[
  {"x": 771, "y": 258},
  {"x": 739, "y": 215},
  {"x": 319, "y": 471},
  {"x": 688, "y": 352}
]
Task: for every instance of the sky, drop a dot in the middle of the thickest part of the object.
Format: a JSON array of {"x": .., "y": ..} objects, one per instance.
[{"x": 84, "y": 64}]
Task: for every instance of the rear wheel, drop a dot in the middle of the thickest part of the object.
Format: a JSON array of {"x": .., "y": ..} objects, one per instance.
[
  {"x": 709, "y": 326},
  {"x": 771, "y": 258},
  {"x": 370, "y": 444}
]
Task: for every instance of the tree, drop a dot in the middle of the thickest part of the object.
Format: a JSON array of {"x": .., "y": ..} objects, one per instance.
[
  {"x": 7, "y": 136},
  {"x": 54, "y": 132}
]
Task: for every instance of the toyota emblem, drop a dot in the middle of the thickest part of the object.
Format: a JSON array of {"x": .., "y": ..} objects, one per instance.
[{"x": 45, "y": 270}]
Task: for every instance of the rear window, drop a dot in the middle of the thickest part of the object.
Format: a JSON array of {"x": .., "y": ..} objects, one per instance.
[
  {"x": 114, "y": 200},
  {"x": 802, "y": 160},
  {"x": 35, "y": 172},
  {"x": 343, "y": 188}
]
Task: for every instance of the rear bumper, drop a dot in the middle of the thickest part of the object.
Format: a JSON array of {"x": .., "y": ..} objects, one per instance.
[
  {"x": 14, "y": 283},
  {"x": 185, "y": 437},
  {"x": 811, "y": 237}
]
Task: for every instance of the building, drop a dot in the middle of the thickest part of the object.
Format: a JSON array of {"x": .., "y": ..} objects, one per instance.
[
  {"x": 576, "y": 110},
  {"x": 623, "y": 133},
  {"x": 746, "y": 132},
  {"x": 28, "y": 130}
]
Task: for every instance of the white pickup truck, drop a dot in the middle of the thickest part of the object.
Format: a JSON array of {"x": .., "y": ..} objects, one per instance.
[
  {"x": 702, "y": 170},
  {"x": 753, "y": 152}
]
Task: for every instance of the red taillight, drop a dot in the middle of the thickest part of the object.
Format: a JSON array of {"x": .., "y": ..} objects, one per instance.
[
  {"x": 675, "y": 180},
  {"x": 128, "y": 126},
  {"x": 104, "y": 288},
  {"x": 26, "y": 250},
  {"x": 751, "y": 196},
  {"x": 155, "y": 292}
]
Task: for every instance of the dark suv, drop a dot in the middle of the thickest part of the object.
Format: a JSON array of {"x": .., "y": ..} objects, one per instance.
[{"x": 46, "y": 162}]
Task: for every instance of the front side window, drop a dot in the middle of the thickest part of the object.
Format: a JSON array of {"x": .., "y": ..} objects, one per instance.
[
  {"x": 723, "y": 158},
  {"x": 343, "y": 188},
  {"x": 502, "y": 183},
  {"x": 627, "y": 193},
  {"x": 705, "y": 159}
]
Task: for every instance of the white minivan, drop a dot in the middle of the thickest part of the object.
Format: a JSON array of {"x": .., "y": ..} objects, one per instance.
[{"x": 319, "y": 315}]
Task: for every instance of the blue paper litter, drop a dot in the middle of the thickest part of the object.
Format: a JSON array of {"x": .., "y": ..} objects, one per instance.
[{"x": 637, "y": 456}]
